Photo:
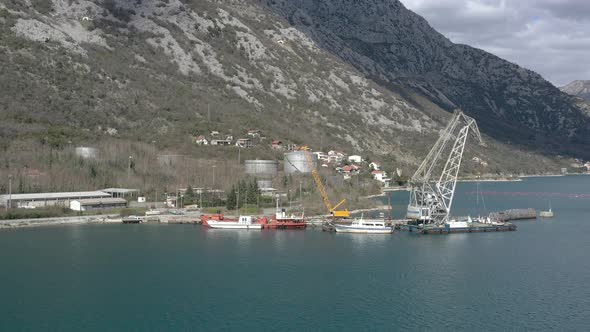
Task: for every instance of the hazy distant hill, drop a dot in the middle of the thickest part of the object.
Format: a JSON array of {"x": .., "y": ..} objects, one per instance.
[{"x": 578, "y": 88}]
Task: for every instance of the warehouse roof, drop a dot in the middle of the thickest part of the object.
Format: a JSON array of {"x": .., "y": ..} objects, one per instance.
[
  {"x": 101, "y": 201},
  {"x": 120, "y": 190},
  {"x": 54, "y": 196}
]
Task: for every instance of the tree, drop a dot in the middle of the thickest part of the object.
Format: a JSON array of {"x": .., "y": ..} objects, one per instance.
[
  {"x": 230, "y": 203},
  {"x": 401, "y": 180},
  {"x": 189, "y": 196},
  {"x": 252, "y": 192}
]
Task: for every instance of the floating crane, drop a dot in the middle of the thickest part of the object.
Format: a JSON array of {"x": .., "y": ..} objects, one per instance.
[
  {"x": 318, "y": 181},
  {"x": 431, "y": 195}
]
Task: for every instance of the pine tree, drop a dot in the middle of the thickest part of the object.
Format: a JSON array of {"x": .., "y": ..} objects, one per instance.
[
  {"x": 230, "y": 204},
  {"x": 252, "y": 192},
  {"x": 189, "y": 196}
]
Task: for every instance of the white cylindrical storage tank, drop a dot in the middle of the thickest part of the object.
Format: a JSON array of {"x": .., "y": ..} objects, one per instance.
[
  {"x": 262, "y": 168},
  {"x": 264, "y": 184},
  {"x": 86, "y": 152},
  {"x": 296, "y": 162}
]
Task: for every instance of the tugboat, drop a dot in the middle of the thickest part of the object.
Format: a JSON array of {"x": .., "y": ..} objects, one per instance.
[{"x": 282, "y": 221}]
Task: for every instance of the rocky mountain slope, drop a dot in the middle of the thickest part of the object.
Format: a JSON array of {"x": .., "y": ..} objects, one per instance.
[
  {"x": 578, "y": 88},
  {"x": 365, "y": 76},
  {"x": 396, "y": 47}
]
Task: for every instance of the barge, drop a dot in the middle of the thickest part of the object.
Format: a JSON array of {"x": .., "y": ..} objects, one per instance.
[{"x": 461, "y": 227}]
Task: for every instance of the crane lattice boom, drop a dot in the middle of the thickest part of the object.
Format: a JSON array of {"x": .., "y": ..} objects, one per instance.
[
  {"x": 319, "y": 184},
  {"x": 431, "y": 198}
]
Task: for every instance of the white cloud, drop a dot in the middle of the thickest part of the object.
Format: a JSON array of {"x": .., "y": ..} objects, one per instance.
[{"x": 551, "y": 37}]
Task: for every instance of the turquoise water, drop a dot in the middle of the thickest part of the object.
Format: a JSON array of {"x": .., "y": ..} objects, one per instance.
[{"x": 184, "y": 277}]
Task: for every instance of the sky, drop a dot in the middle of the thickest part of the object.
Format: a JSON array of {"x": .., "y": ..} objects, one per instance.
[{"x": 551, "y": 37}]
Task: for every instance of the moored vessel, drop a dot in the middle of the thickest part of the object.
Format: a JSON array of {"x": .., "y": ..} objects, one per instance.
[
  {"x": 244, "y": 222},
  {"x": 284, "y": 221},
  {"x": 365, "y": 227},
  {"x": 546, "y": 214}
]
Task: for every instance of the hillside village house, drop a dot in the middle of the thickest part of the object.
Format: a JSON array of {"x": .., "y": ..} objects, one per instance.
[
  {"x": 254, "y": 133},
  {"x": 381, "y": 176},
  {"x": 276, "y": 145},
  {"x": 201, "y": 140},
  {"x": 244, "y": 143},
  {"x": 351, "y": 169},
  {"x": 215, "y": 133},
  {"x": 220, "y": 142},
  {"x": 335, "y": 156},
  {"x": 321, "y": 155},
  {"x": 355, "y": 159}
]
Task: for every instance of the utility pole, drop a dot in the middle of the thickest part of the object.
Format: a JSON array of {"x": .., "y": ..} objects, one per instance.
[
  {"x": 214, "y": 176},
  {"x": 208, "y": 113},
  {"x": 300, "y": 194},
  {"x": 129, "y": 169},
  {"x": 9, "y": 191},
  {"x": 238, "y": 201}
]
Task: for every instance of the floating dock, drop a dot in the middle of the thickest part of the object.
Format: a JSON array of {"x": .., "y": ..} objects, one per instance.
[
  {"x": 514, "y": 214},
  {"x": 474, "y": 228}
]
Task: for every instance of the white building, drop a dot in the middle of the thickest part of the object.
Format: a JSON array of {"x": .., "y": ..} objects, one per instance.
[
  {"x": 381, "y": 176},
  {"x": 97, "y": 204},
  {"x": 121, "y": 192},
  {"x": 49, "y": 199},
  {"x": 321, "y": 155},
  {"x": 355, "y": 159},
  {"x": 201, "y": 140}
]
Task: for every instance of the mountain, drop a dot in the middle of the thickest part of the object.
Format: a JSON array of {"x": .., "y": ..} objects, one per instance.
[
  {"x": 578, "y": 88},
  {"x": 144, "y": 77},
  {"x": 398, "y": 48}
]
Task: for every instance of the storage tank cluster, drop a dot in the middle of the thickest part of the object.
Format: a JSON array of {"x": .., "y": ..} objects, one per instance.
[
  {"x": 265, "y": 183},
  {"x": 296, "y": 162},
  {"x": 262, "y": 168}
]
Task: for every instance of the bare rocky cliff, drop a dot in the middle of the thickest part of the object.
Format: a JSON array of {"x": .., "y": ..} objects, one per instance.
[
  {"x": 384, "y": 40},
  {"x": 578, "y": 88}
]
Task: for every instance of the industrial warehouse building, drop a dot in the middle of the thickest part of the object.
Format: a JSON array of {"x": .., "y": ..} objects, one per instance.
[
  {"x": 97, "y": 204},
  {"x": 49, "y": 199},
  {"x": 121, "y": 192}
]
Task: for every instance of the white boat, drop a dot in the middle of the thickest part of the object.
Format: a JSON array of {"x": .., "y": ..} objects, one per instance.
[
  {"x": 365, "y": 226},
  {"x": 546, "y": 214},
  {"x": 244, "y": 222}
]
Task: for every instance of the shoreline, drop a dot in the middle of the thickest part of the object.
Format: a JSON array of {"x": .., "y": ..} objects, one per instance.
[
  {"x": 41, "y": 222},
  {"x": 490, "y": 180}
]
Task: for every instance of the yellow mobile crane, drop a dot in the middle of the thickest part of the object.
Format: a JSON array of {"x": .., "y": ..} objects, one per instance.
[{"x": 318, "y": 181}]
